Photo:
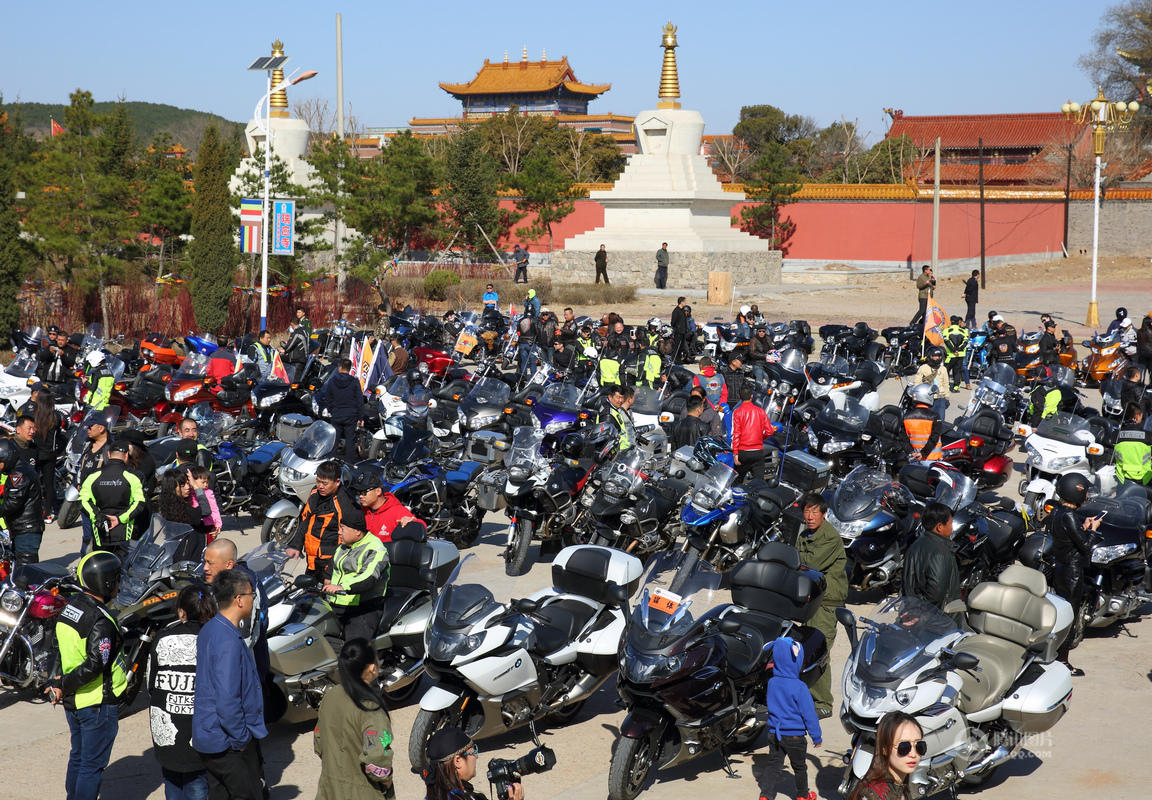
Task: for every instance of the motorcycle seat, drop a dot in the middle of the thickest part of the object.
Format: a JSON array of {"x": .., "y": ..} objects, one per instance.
[
  {"x": 1000, "y": 663},
  {"x": 26, "y": 575},
  {"x": 748, "y": 649},
  {"x": 558, "y": 623}
]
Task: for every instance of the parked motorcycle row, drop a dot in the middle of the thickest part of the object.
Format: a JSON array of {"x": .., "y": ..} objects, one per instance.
[{"x": 668, "y": 573}]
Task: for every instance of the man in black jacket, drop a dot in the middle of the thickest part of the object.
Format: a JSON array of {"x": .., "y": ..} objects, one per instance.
[
  {"x": 930, "y": 569},
  {"x": 296, "y": 351},
  {"x": 1002, "y": 342},
  {"x": 971, "y": 297},
  {"x": 344, "y": 400},
  {"x": 24, "y": 437},
  {"x": 689, "y": 428},
  {"x": 1070, "y": 547},
  {"x": 113, "y": 499},
  {"x": 21, "y": 506},
  {"x": 733, "y": 378},
  {"x": 680, "y": 352},
  {"x": 1049, "y": 353}
]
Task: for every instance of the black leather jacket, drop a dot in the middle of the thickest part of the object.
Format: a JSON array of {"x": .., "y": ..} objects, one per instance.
[
  {"x": 22, "y": 506},
  {"x": 1069, "y": 539},
  {"x": 1049, "y": 354},
  {"x": 930, "y": 570}
]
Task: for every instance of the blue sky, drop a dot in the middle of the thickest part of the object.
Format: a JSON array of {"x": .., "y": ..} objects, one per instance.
[{"x": 822, "y": 59}]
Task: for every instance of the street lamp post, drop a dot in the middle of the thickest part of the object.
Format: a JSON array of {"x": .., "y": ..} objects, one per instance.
[
  {"x": 268, "y": 64},
  {"x": 1101, "y": 115}
]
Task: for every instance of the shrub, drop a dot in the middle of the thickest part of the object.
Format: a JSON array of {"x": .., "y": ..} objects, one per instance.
[{"x": 437, "y": 283}]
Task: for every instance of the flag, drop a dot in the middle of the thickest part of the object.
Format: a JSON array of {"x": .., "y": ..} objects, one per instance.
[
  {"x": 251, "y": 212},
  {"x": 379, "y": 371},
  {"x": 367, "y": 356},
  {"x": 935, "y": 320},
  {"x": 57, "y": 128},
  {"x": 251, "y": 238},
  {"x": 278, "y": 372},
  {"x": 355, "y": 354}
]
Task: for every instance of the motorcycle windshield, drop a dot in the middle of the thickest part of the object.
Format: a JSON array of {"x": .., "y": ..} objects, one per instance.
[
  {"x": 22, "y": 367},
  {"x": 677, "y": 592},
  {"x": 317, "y": 441},
  {"x": 464, "y": 602},
  {"x": 905, "y": 633},
  {"x": 561, "y": 395},
  {"x": 625, "y": 474},
  {"x": 406, "y": 453},
  {"x": 712, "y": 486},
  {"x": 1001, "y": 373},
  {"x": 844, "y": 413},
  {"x": 860, "y": 493},
  {"x": 194, "y": 364},
  {"x": 397, "y": 386},
  {"x": 1067, "y": 429},
  {"x": 489, "y": 391},
  {"x": 116, "y": 367},
  {"x": 266, "y": 561},
  {"x": 835, "y": 365},
  {"x": 954, "y": 489},
  {"x": 793, "y": 360},
  {"x": 648, "y": 402},
  {"x": 524, "y": 456},
  {"x": 34, "y": 334},
  {"x": 154, "y": 551},
  {"x": 210, "y": 425}
]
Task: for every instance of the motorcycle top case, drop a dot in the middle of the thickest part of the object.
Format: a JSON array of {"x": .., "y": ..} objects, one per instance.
[
  {"x": 486, "y": 447},
  {"x": 291, "y": 426},
  {"x": 589, "y": 571},
  {"x": 805, "y": 471}
]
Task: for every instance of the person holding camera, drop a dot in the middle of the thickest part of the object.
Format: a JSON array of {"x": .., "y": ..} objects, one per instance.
[{"x": 452, "y": 760}]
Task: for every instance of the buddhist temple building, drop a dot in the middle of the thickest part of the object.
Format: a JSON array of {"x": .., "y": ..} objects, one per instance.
[
  {"x": 1019, "y": 149},
  {"x": 540, "y": 88}
]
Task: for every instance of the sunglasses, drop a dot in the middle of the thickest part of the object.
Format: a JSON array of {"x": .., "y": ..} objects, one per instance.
[
  {"x": 904, "y": 748},
  {"x": 474, "y": 750}
]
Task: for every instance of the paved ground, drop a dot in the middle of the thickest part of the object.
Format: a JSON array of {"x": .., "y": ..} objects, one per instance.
[{"x": 1099, "y": 748}]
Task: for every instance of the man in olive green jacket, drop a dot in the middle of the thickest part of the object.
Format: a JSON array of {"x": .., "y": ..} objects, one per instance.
[
  {"x": 821, "y": 549},
  {"x": 925, "y": 284}
]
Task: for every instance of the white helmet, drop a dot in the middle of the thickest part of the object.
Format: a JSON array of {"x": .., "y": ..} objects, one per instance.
[
  {"x": 95, "y": 358},
  {"x": 1126, "y": 322},
  {"x": 654, "y": 322},
  {"x": 923, "y": 393},
  {"x": 745, "y": 310}
]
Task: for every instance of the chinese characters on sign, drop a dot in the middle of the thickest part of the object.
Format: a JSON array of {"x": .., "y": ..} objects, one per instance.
[{"x": 283, "y": 225}]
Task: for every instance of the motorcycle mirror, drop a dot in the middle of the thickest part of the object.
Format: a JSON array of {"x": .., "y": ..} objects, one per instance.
[
  {"x": 965, "y": 661},
  {"x": 526, "y": 606},
  {"x": 618, "y": 593},
  {"x": 729, "y": 626},
  {"x": 845, "y": 617},
  {"x": 305, "y": 582}
]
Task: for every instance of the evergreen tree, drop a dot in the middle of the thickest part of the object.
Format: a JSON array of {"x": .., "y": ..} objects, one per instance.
[
  {"x": 772, "y": 180},
  {"x": 14, "y": 252},
  {"x": 544, "y": 191},
  {"x": 213, "y": 249},
  {"x": 471, "y": 204}
]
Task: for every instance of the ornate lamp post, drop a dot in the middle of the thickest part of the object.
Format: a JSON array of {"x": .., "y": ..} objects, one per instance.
[{"x": 1102, "y": 115}]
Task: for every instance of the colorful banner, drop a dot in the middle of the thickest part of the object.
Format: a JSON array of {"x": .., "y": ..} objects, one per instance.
[
  {"x": 251, "y": 212},
  {"x": 283, "y": 228},
  {"x": 367, "y": 361},
  {"x": 935, "y": 321},
  {"x": 251, "y": 238},
  {"x": 278, "y": 372}
]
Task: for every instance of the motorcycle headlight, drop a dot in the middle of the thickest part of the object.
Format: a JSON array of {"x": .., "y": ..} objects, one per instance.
[
  {"x": 587, "y": 500},
  {"x": 11, "y": 602},
  {"x": 813, "y": 441},
  {"x": 1101, "y": 555},
  {"x": 483, "y": 420},
  {"x": 837, "y": 447},
  {"x": 184, "y": 394},
  {"x": 272, "y": 399},
  {"x": 293, "y": 475},
  {"x": 1033, "y": 453},
  {"x": 444, "y": 646},
  {"x": 556, "y": 426},
  {"x": 628, "y": 517},
  {"x": 646, "y": 667},
  {"x": 1063, "y": 462},
  {"x": 847, "y": 530},
  {"x": 905, "y": 696}
]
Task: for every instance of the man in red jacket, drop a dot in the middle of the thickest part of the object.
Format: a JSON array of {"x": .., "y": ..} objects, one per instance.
[
  {"x": 383, "y": 512},
  {"x": 750, "y": 429}
]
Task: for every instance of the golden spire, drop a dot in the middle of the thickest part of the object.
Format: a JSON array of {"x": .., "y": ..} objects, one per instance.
[
  {"x": 279, "y": 101},
  {"x": 669, "y": 80}
]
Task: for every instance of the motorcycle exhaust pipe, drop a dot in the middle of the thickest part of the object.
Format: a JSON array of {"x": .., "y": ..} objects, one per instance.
[
  {"x": 583, "y": 688},
  {"x": 400, "y": 677},
  {"x": 995, "y": 758}
]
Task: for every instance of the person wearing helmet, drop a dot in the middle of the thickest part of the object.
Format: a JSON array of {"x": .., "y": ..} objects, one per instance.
[
  {"x": 111, "y": 497},
  {"x": 1070, "y": 546},
  {"x": 1002, "y": 340},
  {"x": 922, "y": 424},
  {"x": 955, "y": 351},
  {"x": 1128, "y": 337},
  {"x": 21, "y": 503},
  {"x": 343, "y": 399},
  {"x": 933, "y": 372},
  {"x": 100, "y": 381},
  {"x": 585, "y": 348},
  {"x": 1054, "y": 388},
  {"x": 1121, "y": 315},
  {"x": 1133, "y": 449},
  {"x": 92, "y": 674},
  {"x": 742, "y": 315},
  {"x": 1049, "y": 352}
]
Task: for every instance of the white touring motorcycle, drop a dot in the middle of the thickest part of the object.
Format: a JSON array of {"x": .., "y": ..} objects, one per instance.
[
  {"x": 975, "y": 695},
  {"x": 1062, "y": 444},
  {"x": 498, "y": 666}
]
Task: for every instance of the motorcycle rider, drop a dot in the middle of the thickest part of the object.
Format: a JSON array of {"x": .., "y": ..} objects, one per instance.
[
  {"x": 564, "y": 357},
  {"x": 751, "y": 429},
  {"x": 527, "y": 335},
  {"x": 295, "y": 351},
  {"x": 710, "y": 414},
  {"x": 1049, "y": 351},
  {"x": 955, "y": 349},
  {"x": 649, "y": 366},
  {"x": 1070, "y": 549},
  {"x": 100, "y": 381},
  {"x": 821, "y": 548},
  {"x": 1121, "y": 315},
  {"x": 611, "y": 363},
  {"x": 733, "y": 375},
  {"x": 546, "y": 332},
  {"x": 1049, "y": 394},
  {"x": 1133, "y": 449},
  {"x": 383, "y": 511},
  {"x": 112, "y": 497},
  {"x": 1002, "y": 340},
  {"x": 92, "y": 676},
  {"x": 260, "y": 351},
  {"x": 21, "y": 503},
  {"x": 621, "y": 419},
  {"x": 686, "y": 430},
  {"x": 930, "y": 569},
  {"x": 93, "y": 458},
  {"x": 24, "y": 438},
  {"x": 933, "y": 372},
  {"x": 922, "y": 424},
  {"x": 317, "y": 535},
  {"x": 343, "y": 398},
  {"x": 359, "y": 578}
]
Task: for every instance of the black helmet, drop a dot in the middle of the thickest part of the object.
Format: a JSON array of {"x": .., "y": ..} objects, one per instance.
[
  {"x": 8, "y": 456},
  {"x": 954, "y": 319},
  {"x": 861, "y": 330},
  {"x": 991, "y": 314},
  {"x": 707, "y": 449},
  {"x": 1072, "y": 488},
  {"x": 99, "y": 573},
  {"x": 413, "y": 376},
  {"x": 935, "y": 354},
  {"x": 572, "y": 446},
  {"x": 1121, "y": 312}
]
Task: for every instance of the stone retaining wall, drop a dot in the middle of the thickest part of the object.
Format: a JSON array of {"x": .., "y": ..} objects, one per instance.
[{"x": 685, "y": 270}]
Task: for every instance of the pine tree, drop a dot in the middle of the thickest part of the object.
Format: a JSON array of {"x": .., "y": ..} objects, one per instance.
[
  {"x": 14, "y": 255},
  {"x": 471, "y": 196},
  {"x": 213, "y": 250}
]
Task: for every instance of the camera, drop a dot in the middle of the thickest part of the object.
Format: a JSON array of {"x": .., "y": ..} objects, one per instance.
[{"x": 502, "y": 772}]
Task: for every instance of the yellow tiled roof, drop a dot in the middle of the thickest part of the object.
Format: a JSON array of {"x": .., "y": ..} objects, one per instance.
[{"x": 524, "y": 76}]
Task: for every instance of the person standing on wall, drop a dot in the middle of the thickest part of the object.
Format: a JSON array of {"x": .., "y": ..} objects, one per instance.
[
  {"x": 680, "y": 352},
  {"x": 924, "y": 286},
  {"x": 971, "y": 297},
  {"x": 520, "y": 256},
  {"x": 662, "y": 266},
  {"x": 602, "y": 265}
]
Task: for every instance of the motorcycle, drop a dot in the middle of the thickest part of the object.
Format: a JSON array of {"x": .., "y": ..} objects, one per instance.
[
  {"x": 31, "y": 597},
  {"x": 16, "y": 385},
  {"x": 975, "y": 696},
  {"x": 694, "y": 665},
  {"x": 872, "y": 512},
  {"x": 841, "y": 433},
  {"x": 499, "y": 666},
  {"x": 305, "y": 634},
  {"x": 1061, "y": 444},
  {"x": 1107, "y": 358}
]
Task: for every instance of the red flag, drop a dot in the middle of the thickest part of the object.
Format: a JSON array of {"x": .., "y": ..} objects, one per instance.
[{"x": 57, "y": 128}]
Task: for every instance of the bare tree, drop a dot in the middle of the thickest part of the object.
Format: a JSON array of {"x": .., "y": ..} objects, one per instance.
[
  {"x": 574, "y": 154},
  {"x": 1121, "y": 59},
  {"x": 317, "y": 114},
  {"x": 731, "y": 157}
]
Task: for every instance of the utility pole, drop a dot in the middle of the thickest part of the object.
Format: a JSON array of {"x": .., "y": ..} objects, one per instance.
[
  {"x": 936, "y": 209},
  {"x": 340, "y": 273},
  {"x": 983, "y": 279},
  {"x": 1067, "y": 197}
]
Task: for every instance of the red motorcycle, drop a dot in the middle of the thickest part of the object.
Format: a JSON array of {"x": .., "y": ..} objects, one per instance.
[
  {"x": 222, "y": 380},
  {"x": 34, "y": 596},
  {"x": 978, "y": 447}
]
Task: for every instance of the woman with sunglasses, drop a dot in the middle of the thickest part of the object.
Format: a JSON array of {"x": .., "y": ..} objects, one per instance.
[
  {"x": 452, "y": 758},
  {"x": 354, "y": 732},
  {"x": 899, "y": 747}
]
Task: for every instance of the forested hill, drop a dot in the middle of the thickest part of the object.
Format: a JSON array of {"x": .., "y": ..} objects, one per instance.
[{"x": 182, "y": 124}]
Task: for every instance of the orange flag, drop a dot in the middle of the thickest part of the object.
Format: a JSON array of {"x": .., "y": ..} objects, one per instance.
[{"x": 935, "y": 320}]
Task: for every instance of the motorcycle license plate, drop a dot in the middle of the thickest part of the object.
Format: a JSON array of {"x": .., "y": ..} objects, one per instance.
[
  {"x": 665, "y": 601},
  {"x": 466, "y": 344}
]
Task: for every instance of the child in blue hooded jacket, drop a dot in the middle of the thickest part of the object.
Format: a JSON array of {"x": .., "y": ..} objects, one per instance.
[{"x": 791, "y": 715}]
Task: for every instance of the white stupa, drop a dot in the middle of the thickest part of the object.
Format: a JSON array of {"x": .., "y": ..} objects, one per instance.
[{"x": 668, "y": 193}]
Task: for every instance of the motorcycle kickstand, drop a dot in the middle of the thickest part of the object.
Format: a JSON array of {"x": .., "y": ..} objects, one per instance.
[{"x": 728, "y": 771}]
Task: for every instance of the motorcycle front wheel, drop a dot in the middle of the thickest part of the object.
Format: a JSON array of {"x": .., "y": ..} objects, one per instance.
[
  {"x": 69, "y": 514},
  {"x": 426, "y": 724},
  {"x": 281, "y": 530},
  {"x": 516, "y": 552},
  {"x": 632, "y": 762}
]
